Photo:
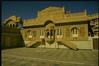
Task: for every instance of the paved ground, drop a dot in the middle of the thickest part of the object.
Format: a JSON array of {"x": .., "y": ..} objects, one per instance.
[{"x": 49, "y": 57}]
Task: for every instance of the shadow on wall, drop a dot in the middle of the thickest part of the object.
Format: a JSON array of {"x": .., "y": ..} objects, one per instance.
[{"x": 11, "y": 38}]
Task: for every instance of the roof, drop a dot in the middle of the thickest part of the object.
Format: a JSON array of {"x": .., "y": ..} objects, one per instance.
[
  {"x": 12, "y": 18},
  {"x": 57, "y": 15},
  {"x": 93, "y": 16},
  {"x": 51, "y": 8}
]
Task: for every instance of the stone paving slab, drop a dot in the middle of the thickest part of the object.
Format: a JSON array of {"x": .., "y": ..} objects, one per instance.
[{"x": 49, "y": 57}]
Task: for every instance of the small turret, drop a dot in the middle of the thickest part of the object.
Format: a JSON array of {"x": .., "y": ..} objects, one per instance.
[{"x": 13, "y": 22}]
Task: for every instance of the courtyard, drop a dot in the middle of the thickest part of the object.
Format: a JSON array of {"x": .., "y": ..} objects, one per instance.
[{"x": 48, "y": 57}]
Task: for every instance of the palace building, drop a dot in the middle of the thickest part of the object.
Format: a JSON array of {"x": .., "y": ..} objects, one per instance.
[{"x": 56, "y": 28}]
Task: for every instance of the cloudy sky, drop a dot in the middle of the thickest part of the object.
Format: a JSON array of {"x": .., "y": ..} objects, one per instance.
[{"x": 28, "y": 9}]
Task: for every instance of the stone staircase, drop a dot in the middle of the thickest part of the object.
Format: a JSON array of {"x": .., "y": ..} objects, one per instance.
[
  {"x": 34, "y": 44},
  {"x": 68, "y": 44}
]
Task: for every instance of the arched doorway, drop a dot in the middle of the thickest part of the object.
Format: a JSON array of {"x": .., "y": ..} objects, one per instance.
[{"x": 49, "y": 32}]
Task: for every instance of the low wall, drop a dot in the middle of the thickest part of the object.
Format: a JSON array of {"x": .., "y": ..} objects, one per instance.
[
  {"x": 83, "y": 44},
  {"x": 11, "y": 38}
]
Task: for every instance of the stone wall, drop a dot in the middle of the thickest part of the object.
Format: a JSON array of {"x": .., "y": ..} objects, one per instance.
[
  {"x": 11, "y": 38},
  {"x": 83, "y": 32},
  {"x": 83, "y": 44},
  {"x": 66, "y": 34}
]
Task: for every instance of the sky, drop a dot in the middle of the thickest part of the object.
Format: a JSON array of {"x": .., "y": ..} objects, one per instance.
[{"x": 28, "y": 9}]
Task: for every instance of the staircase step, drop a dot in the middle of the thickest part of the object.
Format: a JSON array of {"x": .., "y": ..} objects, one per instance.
[{"x": 69, "y": 44}]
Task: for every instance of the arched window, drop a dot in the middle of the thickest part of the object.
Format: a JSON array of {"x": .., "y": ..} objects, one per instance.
[
  {"x": 17, "y": 24},
  {"x": 48, "y": 34},
  {"x": 13, "y": 25},
  {"x": 75, "y": 32},
  {"x": 10, "y": 25},
  {"x": 29, "y": 33},
  {"x": 50, "y": 30}
]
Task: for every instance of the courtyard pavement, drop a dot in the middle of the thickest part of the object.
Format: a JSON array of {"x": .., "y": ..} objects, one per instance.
[{"x": 49, "y": 57}]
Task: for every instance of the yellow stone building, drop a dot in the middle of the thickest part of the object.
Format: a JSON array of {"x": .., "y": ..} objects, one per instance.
[{"x": 56, "y": 28}]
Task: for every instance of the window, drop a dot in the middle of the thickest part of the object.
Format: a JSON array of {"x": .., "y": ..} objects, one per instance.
[
  {"x": 17, "y": 24},
  {"x": 41, "y": 33},
  {"x": 96, "y": 22},
  {"x": 13, "y": 25},
  {"x": 50, "y": 33},
  {"x": 29, "y": 32},
  {"x": 74, "y": 32},
  {"x": 34, "y": 33},
  {"x": 59, "y": 32}
]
